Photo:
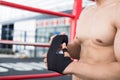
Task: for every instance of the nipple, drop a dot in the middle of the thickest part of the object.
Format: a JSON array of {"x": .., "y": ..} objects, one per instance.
[{"x": 98, "y": 40}]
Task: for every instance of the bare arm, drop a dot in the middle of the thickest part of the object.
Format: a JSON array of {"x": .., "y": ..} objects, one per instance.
[
  {"x": 74, "y": 49},
  {"x": 92, "y": 71}
]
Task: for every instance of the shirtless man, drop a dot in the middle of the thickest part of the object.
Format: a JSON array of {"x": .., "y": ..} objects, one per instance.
[{"x": 97, "y": 43}]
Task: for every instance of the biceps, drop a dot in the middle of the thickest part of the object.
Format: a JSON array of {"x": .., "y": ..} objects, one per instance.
[
  {"x": 74, "y": 49},
  {"x": 76, "y": 43}
]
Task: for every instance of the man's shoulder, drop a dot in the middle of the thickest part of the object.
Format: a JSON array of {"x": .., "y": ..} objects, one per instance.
[
  {"x": 118, "y": 5},
  {"x": 117, "y": 15},
  {"x": 115, "y": 6},
  {"x": 88, "y": 8},
  {"x": 116, "y": 9}
]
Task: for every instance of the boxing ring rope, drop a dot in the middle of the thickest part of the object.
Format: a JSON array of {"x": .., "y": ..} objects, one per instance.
[
  {"x": 24, "y": 43},
  {"x": 20, "y": 77},
  {"x": 77, "y": 8},
  {"x": 14, "y": 5}
]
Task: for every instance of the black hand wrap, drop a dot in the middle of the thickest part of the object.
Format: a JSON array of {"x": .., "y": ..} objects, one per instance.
[{"x": 55, "y": 57}]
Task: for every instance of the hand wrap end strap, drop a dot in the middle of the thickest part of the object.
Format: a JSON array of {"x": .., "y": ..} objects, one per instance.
[{"x": 64, "y": 50}]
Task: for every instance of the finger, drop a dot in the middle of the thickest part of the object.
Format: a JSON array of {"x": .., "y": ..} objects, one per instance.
[
  {"x": 51, "y": 39},
  {"x": 46, "y": 64},
  {"x": 45, "y": 60},
  {"x": 64, "y": 45},
  {"x": 65, "y": 48},
  {"x": 62, "y": 33},
  {"x": 44, "y": 55},
  {"x": 66, "y": 54}
]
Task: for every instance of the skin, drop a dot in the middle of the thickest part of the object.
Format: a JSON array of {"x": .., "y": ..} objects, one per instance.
[{"x": 97, "y": 43}]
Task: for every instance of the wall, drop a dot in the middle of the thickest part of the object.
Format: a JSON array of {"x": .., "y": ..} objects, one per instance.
[{"x": 24, "y": 31}]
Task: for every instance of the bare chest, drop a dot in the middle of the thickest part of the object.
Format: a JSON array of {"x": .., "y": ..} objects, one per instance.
[{"x": 97, "y": 28}]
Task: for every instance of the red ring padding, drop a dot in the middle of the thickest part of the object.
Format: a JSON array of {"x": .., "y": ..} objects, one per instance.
[{"x": 30, "y": 76}]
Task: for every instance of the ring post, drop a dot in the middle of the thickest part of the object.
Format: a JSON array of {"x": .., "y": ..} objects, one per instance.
[{"x": 77, "y": 8}]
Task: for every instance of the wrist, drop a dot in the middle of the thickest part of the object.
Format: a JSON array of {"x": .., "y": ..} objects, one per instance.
[{"x": 70, "y": 68}]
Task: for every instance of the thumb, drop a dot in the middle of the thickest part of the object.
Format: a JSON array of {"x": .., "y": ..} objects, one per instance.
[{"x": 64, "y": 45}]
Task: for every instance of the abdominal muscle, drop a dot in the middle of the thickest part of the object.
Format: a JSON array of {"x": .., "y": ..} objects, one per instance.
[{"x": 96, "y": 54}]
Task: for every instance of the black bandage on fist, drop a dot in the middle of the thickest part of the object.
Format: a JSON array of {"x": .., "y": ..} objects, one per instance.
[{"x": 55, "y": 57}]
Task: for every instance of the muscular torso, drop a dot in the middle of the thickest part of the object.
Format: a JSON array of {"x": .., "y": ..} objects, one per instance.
[{"x": 96, "y": 34}]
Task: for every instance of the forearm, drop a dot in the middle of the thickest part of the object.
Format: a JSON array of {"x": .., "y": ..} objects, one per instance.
[{"x": 95, "y": 71}]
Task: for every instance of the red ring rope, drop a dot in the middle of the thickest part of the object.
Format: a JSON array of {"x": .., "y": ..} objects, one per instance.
[
  {"x": 10, "y": 4},
  {"x": 31, "y": 76},
  {"x": 24, "y": 43}
]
